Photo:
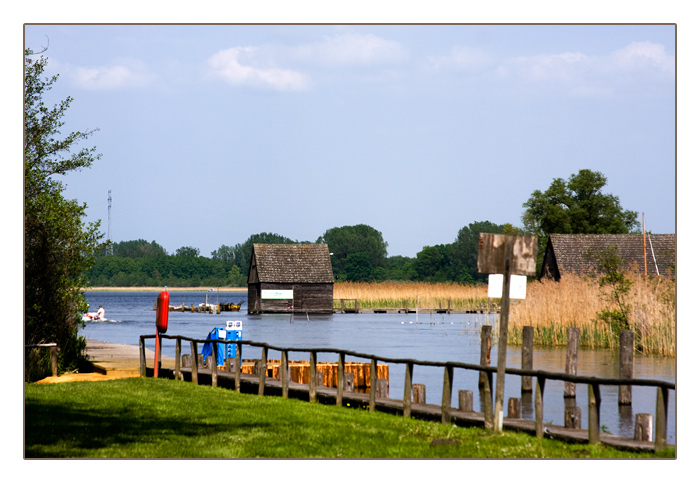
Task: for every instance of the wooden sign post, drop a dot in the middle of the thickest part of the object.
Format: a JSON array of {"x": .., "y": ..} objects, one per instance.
[{"x": 509, "y": 255}]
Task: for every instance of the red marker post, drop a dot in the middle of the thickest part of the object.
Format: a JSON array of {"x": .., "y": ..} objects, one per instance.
[{"x": 162, "y": 308}]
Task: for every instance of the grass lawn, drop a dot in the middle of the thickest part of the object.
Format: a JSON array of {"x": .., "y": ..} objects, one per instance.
[{"x": 158, "y": 418}]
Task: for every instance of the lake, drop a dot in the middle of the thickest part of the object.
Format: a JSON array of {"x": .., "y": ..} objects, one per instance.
[{"x": 427, "y": 337}]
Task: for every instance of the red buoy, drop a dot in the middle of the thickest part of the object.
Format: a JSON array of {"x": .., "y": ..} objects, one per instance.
[{"x": 162, "y": 307}]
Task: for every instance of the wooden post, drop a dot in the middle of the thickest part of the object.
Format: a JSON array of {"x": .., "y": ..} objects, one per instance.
[
  {"x": 447, "y": 394},
  {"x": 526, "y": 361},
  {"x": 485, "y": 360},
  {"x": 142, "y": 350},
  {"x": 54, "y": 360},
  {"x": 407, "y": 390},
  {"x": 237, "y": 370},
  {"x": 571, "y": 360},
  {"x": 642, "y": 427},
  {"x": 593, "y": 414},
  {"x": 488, "y": 401},
  {"x": 661, "y": 414},
  {"x": 339, "y": 383},
  {"x": 503, "y": 336},
  {"x": 195, "y": 362},
  {"x": 284, "y": 373},
  {"x": 539, "y": 407},
  {"x": 572, "y": 417},
  {"x": 515, "y": 408},
  {"x": 349, "y": 381},
  {"x": 466, "y": 400},
  {"x": 382, "y": 388},
  {"x": 372, "y": 384},
  {"x": 312, "y": 376},
  {"x": 449, "y": 306},
  {"x": 418, "y": 393},
  {"x": 178, "y": 351},
  {"x": 263, "y": 372},
  {"x": 626, "y": 365},
  {"x": 186, "y": 360},
  {"x": 214, "y": 364}
]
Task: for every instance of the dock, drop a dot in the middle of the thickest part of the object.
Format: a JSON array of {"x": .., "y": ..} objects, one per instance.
[{"x": 122, "y": 360}]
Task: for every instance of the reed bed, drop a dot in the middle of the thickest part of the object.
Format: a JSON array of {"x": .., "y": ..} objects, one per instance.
[
  {"x": 416, "y": 294},
  {"x": 553, "y": 307},
  {"x": 550, "y": 307}
]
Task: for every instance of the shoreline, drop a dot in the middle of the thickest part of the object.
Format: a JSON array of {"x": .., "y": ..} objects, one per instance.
[{"x": 160, "y": 288}]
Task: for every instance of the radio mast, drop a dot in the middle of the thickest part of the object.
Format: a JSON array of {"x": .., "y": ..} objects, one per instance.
[{"x": 109, "y": 222}]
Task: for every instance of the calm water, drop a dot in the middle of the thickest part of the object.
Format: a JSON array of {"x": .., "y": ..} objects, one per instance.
[{"x": 428, "y": 337}]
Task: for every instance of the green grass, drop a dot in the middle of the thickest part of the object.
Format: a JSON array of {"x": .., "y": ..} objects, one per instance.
[{"x": 158, "y": 418}]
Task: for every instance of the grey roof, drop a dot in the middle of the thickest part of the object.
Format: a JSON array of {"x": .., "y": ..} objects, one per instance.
[
  {"x": 292, "y": 263},
  {"x": 571, "y": 251}
]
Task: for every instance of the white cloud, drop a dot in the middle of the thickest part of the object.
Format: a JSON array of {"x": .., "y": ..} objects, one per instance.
[
  {"x": 643, "y": 56},
  {"x": 239, "y": 66},
  {"x": 122, "y": 74},
  {"x": 461, "y": 58},
  {"x": 546, "y": 67},
  {"x": 352, "y": 49}
]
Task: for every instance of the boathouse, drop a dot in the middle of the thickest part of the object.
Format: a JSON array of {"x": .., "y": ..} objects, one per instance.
[
  {"x": 576, "y": 253},
  {"x": 290, "y": 278}
]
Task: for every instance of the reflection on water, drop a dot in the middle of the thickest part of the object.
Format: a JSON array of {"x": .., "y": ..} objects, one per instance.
[{"x": 426, "y": 337}]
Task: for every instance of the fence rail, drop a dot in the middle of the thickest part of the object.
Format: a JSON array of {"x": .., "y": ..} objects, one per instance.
[
  {"x": 593, "y": 382},
  {"x": 54, "y": 354}
]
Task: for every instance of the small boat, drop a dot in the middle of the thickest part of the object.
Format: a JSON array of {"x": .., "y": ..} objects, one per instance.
[
  {"x": 91, "y": 317},
  {"x": 230, "y": 307}
]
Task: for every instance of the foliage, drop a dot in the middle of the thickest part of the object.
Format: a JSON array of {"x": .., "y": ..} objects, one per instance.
[
  {"x": 243, "y": 251},
  {"x": 576, "y": 206},
  {"x": 138, "y": 249},
  {"x": 159, "y": 418},
  {"x": 347, "y": 240},
  {"x": 58, "y": 246},
  {"x": 358, "y": 267},
  {"x": 187, "y": 252},
  {"x": 614, "y": 287}
]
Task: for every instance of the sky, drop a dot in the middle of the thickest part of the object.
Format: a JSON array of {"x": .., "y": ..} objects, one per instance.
[{"x": 212, "y": 133}]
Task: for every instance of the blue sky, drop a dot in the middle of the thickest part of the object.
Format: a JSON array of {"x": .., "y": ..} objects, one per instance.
[{"x": 212, "y": 133}]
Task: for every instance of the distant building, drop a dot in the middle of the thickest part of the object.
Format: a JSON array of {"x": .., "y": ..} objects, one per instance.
[
  {"x": 286, "y": 278},
  {"x": 572, "y": 253}
]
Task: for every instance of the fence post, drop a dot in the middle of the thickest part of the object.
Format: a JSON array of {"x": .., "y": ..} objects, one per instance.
[
  {"x": 54, "y": 360},
  {"x": 539, "y": 406},
  {"x": 312, "y": 376},
  {"x": 263, "y": 372},
  {"x": 571, "y": 366},
  {"x": 195, "y": 362},
  {"x": 526, "y": 364},
  {"x": 237, "y": 370},
  {"x": 142, "y": 351},
  {"x": 418, "y": 393},
  {"x": 626, "y": 365},
  {"x": 178, "y": 350},
  {"x": 487, "y": 393},
  {"x": 642, "y": 427},
  {"x": 447, "y": 394},
  {"x": 214, "y": 364},
  {"x": 372, "y": 384},
  {"x": 661, "y": 415},
  {"x": 408, "y": 380},
  {"x": 340, "y": 380},
  {"x": 466, "y": 400},
  {"x": 485, "y": 359},
  {"x": 593, "y": 414},
  {"x": 284, "y": 369}
]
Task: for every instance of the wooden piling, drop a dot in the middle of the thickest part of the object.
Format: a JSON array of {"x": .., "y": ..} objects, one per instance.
[
  {"x": 593, "y": 414},
  {"x": 466, "y": 400},
  {"x": 626, "y": 366},
  {"x": 237, "y": 369},
  {"x": 447, "y": 394},
  {"x": 284, "y": 374},
  {"x": 485, "y": 359},
  {"x": 515, "y": 408},
  {"x": 407, "y": 390},
  {"x": 195, "y": 362},
  {"x": 539, "y": 407},
  {"x": 571, "y": 366},
  {"x": 382, "y": 388},
  {"x": 214, "y": 365},
  {"x": 178, "y": 351},
  {"x": 526, "y": 361},
  {"x": 572, "y": 417},
  {"x": 643, "y": 427},
  {"x": 312, "y": 376},
  {"x": 263, "y": 372},
  {"x": 661, "y": 418},
  {"x": 372, "y": 384},
  {"x": 339, "y": 383},
  {"x": 418, "y": 393}
]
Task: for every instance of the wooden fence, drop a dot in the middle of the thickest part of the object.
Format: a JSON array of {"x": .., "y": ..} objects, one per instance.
[
  {"x": 53, "y": 347},
  {"x": 541, "y": 377}
]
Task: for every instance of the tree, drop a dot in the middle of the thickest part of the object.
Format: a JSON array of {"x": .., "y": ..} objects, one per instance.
[
  {"x": 187, "y": 252},
  {"x": 224, "y": 254},
  {"x": 615, "y": 287},
  {"x": 243, "y": 251},
  {"x": 58, "y": 246},
  {"x": 138, "y": 249},
  {"x": 347, "y": 240},
  {"x": 465, "y": 250},
  {"x": 577, "y": 206},
  {"x": 358, "y": 267}
]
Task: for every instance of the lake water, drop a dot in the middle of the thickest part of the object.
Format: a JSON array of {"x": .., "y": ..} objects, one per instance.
[{"x": 427, "y": 337}]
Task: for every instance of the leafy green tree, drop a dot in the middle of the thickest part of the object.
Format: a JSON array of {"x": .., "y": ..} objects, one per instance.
[
  {"x": 224, "y": 254},
  {"x": 465, "y": 250},
  {"x": 432, "y": 264},
  {"x": 347, "y": 240},
  {"x": 576, "y": 206},
  {"x": 58, "y": 246},
  {"x": 615, "y": 287},
  {"x": 187, "y": 252},
  {"x": 359, "y": 267},
  {"x": 138, "y": 249}
]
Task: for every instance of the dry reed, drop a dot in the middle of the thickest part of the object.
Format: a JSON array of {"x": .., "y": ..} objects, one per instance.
[{"x": 550, "y": 307}]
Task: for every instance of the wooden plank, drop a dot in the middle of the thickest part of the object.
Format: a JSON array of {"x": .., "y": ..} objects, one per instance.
[{"x": 493, "y": 249}]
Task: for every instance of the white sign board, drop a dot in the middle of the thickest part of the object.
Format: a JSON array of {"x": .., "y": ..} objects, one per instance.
[
  {"x": 277, "y": 294},
  {"x": 518, "y": 283}
]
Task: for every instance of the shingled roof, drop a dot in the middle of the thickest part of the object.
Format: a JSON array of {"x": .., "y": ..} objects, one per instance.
[
  {"x": 570, "y": 253},
  {"x": 292, "y": 263}
]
